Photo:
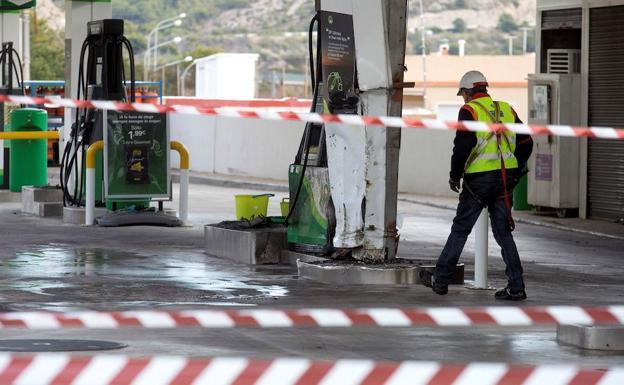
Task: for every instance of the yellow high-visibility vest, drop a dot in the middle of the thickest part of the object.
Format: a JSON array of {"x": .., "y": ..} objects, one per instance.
[{"x": 485, "y": 155}]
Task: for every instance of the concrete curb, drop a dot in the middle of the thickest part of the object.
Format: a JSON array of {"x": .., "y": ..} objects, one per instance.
[
  {"x": 220, "y": 182},
  {"x": 519, "y": 220}
]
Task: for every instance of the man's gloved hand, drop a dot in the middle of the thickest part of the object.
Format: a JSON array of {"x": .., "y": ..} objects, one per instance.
[
  {"x": 454, "y": 184},
  {"x": 517, "y": 175}
]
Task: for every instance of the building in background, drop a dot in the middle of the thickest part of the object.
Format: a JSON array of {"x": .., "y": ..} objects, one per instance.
[
  {"x": 507, "y": 76},
  {"x": 229, "y": 76},
  {"x": 582, "y": 40}
]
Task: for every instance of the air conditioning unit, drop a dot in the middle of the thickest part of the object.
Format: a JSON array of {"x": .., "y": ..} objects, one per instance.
[
  {"x": 564, "y": 61},
  {"x": 555, "y": 165}
]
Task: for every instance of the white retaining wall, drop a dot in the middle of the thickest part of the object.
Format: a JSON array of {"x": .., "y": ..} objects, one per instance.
[{"x": 265, "y": 149}]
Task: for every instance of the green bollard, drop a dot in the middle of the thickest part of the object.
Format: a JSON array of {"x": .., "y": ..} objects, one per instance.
[{"x": 29, "y": 158}]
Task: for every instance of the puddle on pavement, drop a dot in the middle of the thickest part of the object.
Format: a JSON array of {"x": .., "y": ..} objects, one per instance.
[{"x": 55, "y": 267}]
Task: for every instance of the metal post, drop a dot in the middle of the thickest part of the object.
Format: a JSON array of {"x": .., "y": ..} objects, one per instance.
[
  {"x": 524, "y": 39},
  {"x": 184, "y": 179},
  {"x": 155, "y": 63},
  {"x": 511, "y": 39},
  {"x": 423, "y": 37},
  {"x": 162, "y": 79},
  {"x": 481, "y": 251}
]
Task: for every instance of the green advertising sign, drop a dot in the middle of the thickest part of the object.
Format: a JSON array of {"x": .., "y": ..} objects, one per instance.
[
  {"x": 136, "y": 156},
  {"x": 12, "y": 5}
]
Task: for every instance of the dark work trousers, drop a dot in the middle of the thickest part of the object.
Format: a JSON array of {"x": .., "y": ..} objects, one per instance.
[{"x": 484, "y": 190}]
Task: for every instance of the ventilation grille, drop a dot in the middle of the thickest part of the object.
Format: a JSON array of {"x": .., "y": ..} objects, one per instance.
[{"x": 564, "y": 61}]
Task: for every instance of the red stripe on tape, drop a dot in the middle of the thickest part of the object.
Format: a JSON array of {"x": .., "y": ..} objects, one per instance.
[
  {"x": 252, "y": 373},
  {"x": 190, "y": 372},
  {"x": 315, "y": 373},
  {"x": 447, "y": 375},
  {"x": 587, "y": 377},
  {"x": 73, "y": 368},
  {"x": 479, "y": 316},
  {"x": 516, "y": 376},
  {"x": 301, "y": 319},
  {"x": 539, "y": 316},
  {"x": 602, "y": 316},
  {"x": 14, "y": 369},
  {"x": 359, "y": 318},
  {"x": 419, "y": 317},
  {"x": 380, "y": 374},
  {"x": 130, "y": 371}
]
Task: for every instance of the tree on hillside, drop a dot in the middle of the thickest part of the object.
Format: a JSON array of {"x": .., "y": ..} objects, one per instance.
[
  {"x": 506, "y": 23},
  {"x": 47, "y": 52},
  {"x": 459, "y": 25}
]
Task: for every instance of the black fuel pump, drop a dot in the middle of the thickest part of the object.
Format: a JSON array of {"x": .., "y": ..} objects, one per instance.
[
  {"x": 103, "y": 78},
  {"x": 11, "y": 83}
]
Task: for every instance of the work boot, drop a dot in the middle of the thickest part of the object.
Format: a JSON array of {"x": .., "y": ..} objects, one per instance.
[
  {"x": 427, "y": 279},
  {"x": 508, "y": 295}
]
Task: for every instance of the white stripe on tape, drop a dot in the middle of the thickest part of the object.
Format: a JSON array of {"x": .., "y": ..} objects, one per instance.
[
  {"x": 389, "y": 317},
  {"x": 449, "y": 317},
  {"x": 482, "y": 374},
  {"x": 618, "y": 312},
  {"x": 210, "y": 318},
  {"x": 561, "y": 130},
  {"x": 151, "y": 319},
  {"x": 43, "y": 369},
  {"x": 104, "y": 104},
  {"x": 284, "y": 372},
  {"x": 613, "y": 377},
  {"x": 35, "y": 320},
  {"x": 328, "y": 317},
  {"x": 414, "y": 373},
  {"x": 101, "y": 370},
  {"x": 519, "y": 128},
  {"x": 392, "y": 121},
  {"x": 228, "y": 112},
  {"x": 269, "y": 318},
  {"x": 434, "y": 124},
  {"x": 145, "y": 107},
  {"x": 570, "y": 315},
  {"x": 310, "y": 117},
  {"x": 604, "y": 132},
  {"x": 160, "y": 371},
  {"x": 189, "y": 110},
  {"x": 355, "y": 120},
  {"x": 476, "y": 126},
  {"x": 509, "y": 316},
  {"x": 348, "y": 372},
  {"x": 95, "y": 320},
  {"x": 552, "y": 375},
  {"x": 221, "y": 371}
]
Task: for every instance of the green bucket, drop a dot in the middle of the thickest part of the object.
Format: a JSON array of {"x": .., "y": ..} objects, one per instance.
[{"x": 252, "y": 206}]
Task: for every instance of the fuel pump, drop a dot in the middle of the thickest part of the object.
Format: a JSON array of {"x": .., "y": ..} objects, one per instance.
[
  {"x": 312, "y": 220},
  {"x": 103, "y": 78},
  {"x": 11, "y": 83}
]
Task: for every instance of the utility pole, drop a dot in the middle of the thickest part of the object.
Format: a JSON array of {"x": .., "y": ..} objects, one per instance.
[
  {"x": 511, "y": 39},
  {"x": 423, "y": 37},
  {"x": 525, "y": 31}
]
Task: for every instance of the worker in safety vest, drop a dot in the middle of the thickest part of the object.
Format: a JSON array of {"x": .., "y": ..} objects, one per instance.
[{"x": 490, "y": 164}]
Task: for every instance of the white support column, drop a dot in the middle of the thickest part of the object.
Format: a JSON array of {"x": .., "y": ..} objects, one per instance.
[
  {"x": 380, "y": 33},
  {"x": 481, "y": 251},
  {"x": 10, "y": 29}
]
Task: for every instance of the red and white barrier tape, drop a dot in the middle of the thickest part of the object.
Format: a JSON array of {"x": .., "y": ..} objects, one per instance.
[
  {"x": 320, "y": 318},
  {"x": 55, "y": 369},
  {"x": 383, "y": 121}
]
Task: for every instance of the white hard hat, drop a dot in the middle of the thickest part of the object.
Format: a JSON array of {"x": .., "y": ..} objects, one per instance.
[{"x": 472, "y": 79}]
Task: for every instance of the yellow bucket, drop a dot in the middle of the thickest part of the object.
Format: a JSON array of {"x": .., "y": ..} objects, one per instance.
[
  {"x": 251, "y": 206},
  {"x": 285, "y": 206}
]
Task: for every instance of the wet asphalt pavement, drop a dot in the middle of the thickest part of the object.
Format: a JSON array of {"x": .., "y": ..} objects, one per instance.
[{"x": 45, "y": 265}]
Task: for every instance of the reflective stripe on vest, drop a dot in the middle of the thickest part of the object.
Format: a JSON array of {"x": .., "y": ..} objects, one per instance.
[{"x": 485, "y": 155}]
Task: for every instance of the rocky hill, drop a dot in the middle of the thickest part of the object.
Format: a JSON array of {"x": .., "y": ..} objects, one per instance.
[{"x": 277, "y": 28}]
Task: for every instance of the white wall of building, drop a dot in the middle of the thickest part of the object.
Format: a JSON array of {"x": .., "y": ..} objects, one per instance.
[
  {"x": 265, "y": 149},
  {"x": 226, "y": 76}
]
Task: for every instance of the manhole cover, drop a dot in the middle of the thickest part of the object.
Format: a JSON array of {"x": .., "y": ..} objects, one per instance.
[{"x": 57, "y": 345}]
